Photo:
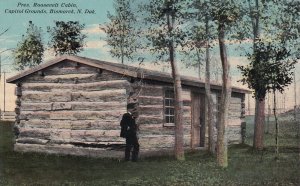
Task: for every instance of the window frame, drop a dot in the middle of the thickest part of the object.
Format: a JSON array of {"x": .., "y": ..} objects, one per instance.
[{"x": 168, "y": 124}]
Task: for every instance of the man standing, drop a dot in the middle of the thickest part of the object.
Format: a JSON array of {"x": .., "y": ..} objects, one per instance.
[{"x": 129, "y": 131}]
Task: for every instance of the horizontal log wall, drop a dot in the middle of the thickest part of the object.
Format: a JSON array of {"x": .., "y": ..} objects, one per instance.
[
  {"x": 68, "y": 149},
  {"x": 153, "y": 131},
  {"x": 235, "y": 111},
  {"x": 72, "y": 115},
  {"x": 56, "y": 106},
  {"x": 71, "y": 124},
  {"x": 161, "y": 141},
  {"x": 235, "y": 119},
  {"x": 68, "y": 96},
  {"x": 70, "y": 104},
  {"x": 234, "y": 134},
  {"x": 235, "y": 108},
  {"x": 91, "y": 86},
  {"x": 71, "y": 72}
]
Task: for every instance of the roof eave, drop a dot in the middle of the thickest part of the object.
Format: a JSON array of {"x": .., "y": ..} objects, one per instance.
[
  {"x": 27, "y": 72},
  {"x": 72, "y": 58}
]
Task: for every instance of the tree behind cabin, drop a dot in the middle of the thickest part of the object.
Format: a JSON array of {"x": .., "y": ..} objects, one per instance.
[
  {"x": 67, "y": 37},
  {"x": 30, "y": 50},
  {"x": 121, "y": 31}
]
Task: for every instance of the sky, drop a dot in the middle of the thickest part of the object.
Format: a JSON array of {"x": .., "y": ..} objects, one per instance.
[
  {"x": 18, "y": 22},
  {"x": 15, "y": 15}
]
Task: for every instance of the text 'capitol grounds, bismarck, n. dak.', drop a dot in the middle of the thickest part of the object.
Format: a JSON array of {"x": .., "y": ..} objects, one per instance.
[{"x": 44, "y": 8}]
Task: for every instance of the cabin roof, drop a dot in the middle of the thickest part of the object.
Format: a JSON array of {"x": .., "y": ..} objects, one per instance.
[{"x": 121, "y": 69}]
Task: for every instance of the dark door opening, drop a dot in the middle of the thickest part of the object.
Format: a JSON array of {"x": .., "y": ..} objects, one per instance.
[{"x": 198, "y": 120}]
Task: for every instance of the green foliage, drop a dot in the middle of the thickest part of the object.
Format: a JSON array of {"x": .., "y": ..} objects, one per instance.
[
  {"x": 274, "y": 53},
  {"x": 122, "y": 30},
  {"x": 289, "y": 26},
  {"x": 268, "y": 69},
  {"x": 67, "y": 37},
  {"x": 204, "y": 17},
  {"x": 165, "y": 23},
  {"x": 225, "y": 12},
  {"x": 198, "y": 35},
  {"x": 29, "y": 51}
]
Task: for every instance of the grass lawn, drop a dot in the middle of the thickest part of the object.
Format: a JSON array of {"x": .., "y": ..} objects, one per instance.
[{"x": 246, "y": 167}]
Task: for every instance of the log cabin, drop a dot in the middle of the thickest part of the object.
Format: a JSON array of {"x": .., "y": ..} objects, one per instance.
[{"x": 73, "y": 105}]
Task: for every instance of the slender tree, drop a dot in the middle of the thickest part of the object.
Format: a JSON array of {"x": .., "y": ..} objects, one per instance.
[
  {"x": 200, "y": 37},
  {"x": 30, "y": 50},
  {"x": 121, "y": 31},
  {"x": 260, "y": 97},
  {"x": 67, "y": 37},
  {"x": 166, "y": 34},
  {"x": 277, "y": 23},
  {"x": 256, "y": 19},
  {"x": 274, "y": 75},
  {"x": 225, "y": 13},
  {"x": 209, "y": 98}
]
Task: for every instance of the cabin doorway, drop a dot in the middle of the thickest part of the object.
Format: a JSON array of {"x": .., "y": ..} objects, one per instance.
[{"x": 198, "y": 120}]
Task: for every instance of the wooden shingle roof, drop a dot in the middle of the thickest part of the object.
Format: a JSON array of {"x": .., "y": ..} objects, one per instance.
[{"x": 121, "y": 69}]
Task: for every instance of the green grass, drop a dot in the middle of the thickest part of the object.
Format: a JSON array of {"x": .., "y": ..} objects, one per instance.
[
  {"x": 288, "y": 131},
  {"x": 246, "y": 167}
]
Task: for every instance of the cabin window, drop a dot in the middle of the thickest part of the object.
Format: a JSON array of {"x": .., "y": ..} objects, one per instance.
[{"x": 169, "y": 107}]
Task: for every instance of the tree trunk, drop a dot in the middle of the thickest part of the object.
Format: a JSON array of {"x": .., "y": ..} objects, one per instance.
[
  {"x": 268, "y": 118},
  {"x": 179, "y": 151},
  {"x": 222, "y": 158},
  {"x": 259, "y": 104},
  {"x": 276, "y": 128},
  {"x": 122, "y": 51},
  {"x": 295, "y": 97},
  {"x": 178, "y": 107},
  {"x": 259, "y": 124},
  {"x": 211, "y": 142},
  {"x": 199, "y": 63}
]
